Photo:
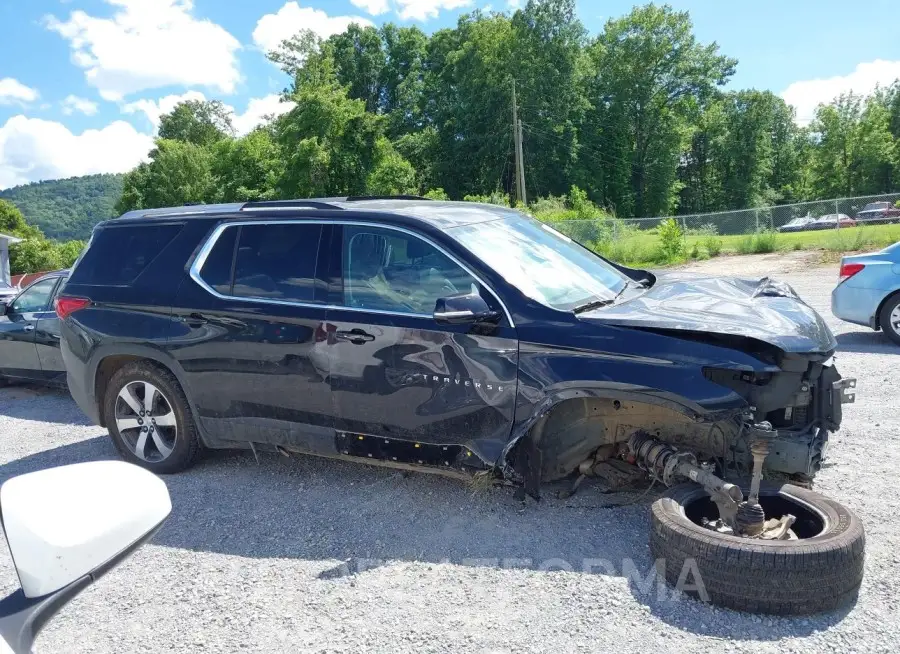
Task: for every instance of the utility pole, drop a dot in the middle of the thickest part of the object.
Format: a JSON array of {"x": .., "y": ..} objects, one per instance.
[
  {"x": 521, "y": 156},
  {"x": 517, "y": 136}
]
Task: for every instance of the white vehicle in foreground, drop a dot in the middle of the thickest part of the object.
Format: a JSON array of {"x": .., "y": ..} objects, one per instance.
[{"x": 65, "y": 528}]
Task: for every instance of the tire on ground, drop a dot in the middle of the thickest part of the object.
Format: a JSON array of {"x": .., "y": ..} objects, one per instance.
[
  {"x": 796, "y": 577},
  {"x": 187, "y": 441},
  {"x": 884, "y": 318}
]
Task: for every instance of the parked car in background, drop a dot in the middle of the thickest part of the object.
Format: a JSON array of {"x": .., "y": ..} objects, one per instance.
[
  {"x": 868, "y": 292},
  {"x": 799, "y": 224},
  {"x": 876, "y": 213},
  {"x": 832, "y": 221},
  {"x": 29, "y": 333}
]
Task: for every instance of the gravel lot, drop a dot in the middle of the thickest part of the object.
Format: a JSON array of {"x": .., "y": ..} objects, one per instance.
[{"x": 308, "y": 554}]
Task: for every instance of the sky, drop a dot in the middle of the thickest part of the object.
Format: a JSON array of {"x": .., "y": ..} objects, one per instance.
[{"x": 83, "y": 82}]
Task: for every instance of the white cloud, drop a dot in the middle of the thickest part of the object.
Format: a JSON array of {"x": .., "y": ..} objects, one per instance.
[
  {"x": 12, "y": 91},
  {"x": 424, "y": 9},
  {"x": 255, "y": 114},
  {"x": 514, "y": 4},
  {"x": 258, "y": 109},
  {"x": 32, "y": 149},
  {"x": 272, "y": 29},
  {"x": 154, "y": 109},
  {"x": 149, "y": 44},
  {"x": 806, "y": 95},
  {"x": 374, "y": 7},
  {"x": 73, "y": 103}
]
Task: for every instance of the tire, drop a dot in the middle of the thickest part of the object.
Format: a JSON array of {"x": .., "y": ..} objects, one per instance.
[
  {"x": 890, "y": 330},
  {"x": 181, "y": 445},
  {"x": 810, "y": 575}
]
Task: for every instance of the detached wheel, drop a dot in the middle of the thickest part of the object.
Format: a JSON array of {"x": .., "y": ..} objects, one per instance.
[
  {"x": 889, "y": 318},
  {"x": 819, "y": 571},
  {"x": 149, "y": 420}
]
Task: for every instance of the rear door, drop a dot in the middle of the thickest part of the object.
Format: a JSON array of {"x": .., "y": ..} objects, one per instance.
[
  {"x": 18, "y": 353},
  {"x": 251, "y": 336},
  {"x": 46, "y": 340},
  {"x": 397, "y": 373}
]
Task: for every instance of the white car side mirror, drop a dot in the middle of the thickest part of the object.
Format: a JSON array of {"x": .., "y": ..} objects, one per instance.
[{"x": 66, "y": 527}]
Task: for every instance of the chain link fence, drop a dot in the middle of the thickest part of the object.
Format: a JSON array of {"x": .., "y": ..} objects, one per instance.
[{"x": 637, "y": 239}]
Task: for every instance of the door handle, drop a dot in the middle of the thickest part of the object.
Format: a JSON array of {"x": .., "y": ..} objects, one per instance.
[
  {"x": 28, "y": 328},
  {"x": 355, "y": 336},
  {"x": 194, "y": 320}
]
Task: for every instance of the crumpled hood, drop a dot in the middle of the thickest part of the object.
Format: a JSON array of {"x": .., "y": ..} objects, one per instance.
[{"x": 763, "y": 309}]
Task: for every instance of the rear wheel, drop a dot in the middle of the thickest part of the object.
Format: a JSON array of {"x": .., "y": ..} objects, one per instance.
[
  {"x": 820, "y": 570},
  {"x": 149, "y": 420},
  {"x": 889, "y": 318}
]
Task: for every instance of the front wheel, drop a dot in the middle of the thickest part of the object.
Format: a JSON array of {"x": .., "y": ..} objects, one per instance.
[
  {"x": 889, "y": 318},
  {"x": 149, "y": 419},
  {"x": 820, "y": 570}
]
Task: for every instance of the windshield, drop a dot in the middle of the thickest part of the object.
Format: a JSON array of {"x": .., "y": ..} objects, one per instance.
[{"x": 542, "y": 263}]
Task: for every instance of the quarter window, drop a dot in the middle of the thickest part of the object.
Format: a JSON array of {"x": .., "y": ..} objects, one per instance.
[
  {"x": 272, "y": 262},
  {"x": 385, "y": 270}
]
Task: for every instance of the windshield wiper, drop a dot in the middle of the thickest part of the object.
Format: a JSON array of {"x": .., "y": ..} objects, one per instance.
[{"x": 596, "y": 304}]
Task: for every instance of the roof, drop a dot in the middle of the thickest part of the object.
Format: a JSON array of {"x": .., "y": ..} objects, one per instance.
[
  {"x": 443, "y": 215},
  {"x": 10, "y": 239}
]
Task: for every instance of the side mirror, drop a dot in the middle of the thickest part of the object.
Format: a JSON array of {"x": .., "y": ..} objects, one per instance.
[
  {"x": 2, "y": 308},
  {"x": 68, "y": 526},
  {"x": 464, "y": 310}
]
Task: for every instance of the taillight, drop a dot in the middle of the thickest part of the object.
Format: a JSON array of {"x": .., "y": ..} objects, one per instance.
[
  {"x": 65, "y": 306},
  {"x": 850, "y": 269}
]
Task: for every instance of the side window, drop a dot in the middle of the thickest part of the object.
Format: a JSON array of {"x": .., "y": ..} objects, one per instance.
[
  {"x": 385, "y": 270},
  {"x": 277, "y": 261},
  {"x": 218, "y": 267},
  {"x": 35, "y": 298}
]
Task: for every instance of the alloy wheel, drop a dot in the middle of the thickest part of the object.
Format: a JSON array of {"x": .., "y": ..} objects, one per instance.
[
  {"x": 146, "y": 421},
  {"x": 895, "y": 319}
]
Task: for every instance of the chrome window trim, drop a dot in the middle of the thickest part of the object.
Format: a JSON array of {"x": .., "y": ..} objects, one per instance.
[{"x": 202, "y": 255}]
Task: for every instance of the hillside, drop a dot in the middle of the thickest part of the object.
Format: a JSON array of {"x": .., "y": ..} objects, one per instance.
[{"x": 67, "y": 209}]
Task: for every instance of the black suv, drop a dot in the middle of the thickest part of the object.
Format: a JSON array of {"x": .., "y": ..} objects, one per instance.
[{"x": 461, "y": 338}]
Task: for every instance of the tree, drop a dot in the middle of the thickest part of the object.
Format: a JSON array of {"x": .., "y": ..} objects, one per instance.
[
  {"x": 392, "y": 175},
  {"x": 651, "y": 76},
  {"x": 179, "y": 173},
  {"x": 248, "y": 168},
  {"x": 331, "y": 144},
  {"x": 201, "y": 122},
  {"x": 12, "y": 222}
]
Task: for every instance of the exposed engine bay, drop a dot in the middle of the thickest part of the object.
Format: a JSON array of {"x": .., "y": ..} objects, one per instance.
[{"x": 781, "y": 434}]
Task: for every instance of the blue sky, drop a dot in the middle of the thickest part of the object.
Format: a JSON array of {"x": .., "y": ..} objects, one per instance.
[{"x": 82, "y": 82}]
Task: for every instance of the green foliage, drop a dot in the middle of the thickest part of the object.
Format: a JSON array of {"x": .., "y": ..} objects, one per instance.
[
  {"x": 179, "y": 173},
  {"x": 35, "y": 253},
  {"x": 392, "y": 174},
  {"x": 671, "y": 239},
  {"x": 498, "y": 198},
  {"x": 761, "y": 242},
  {"x": 201, "y": 122},
  {"x": 437, "y": 194},
  {"x": 67, "y": 208}
]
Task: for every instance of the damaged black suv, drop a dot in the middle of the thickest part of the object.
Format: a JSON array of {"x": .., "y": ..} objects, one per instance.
[{"x": 473, "y": 340}]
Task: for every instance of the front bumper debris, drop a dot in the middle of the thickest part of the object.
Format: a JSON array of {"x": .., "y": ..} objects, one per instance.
[{"x": 841, "y": 394}]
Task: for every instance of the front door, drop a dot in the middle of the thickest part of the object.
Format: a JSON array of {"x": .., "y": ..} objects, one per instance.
[
  {"x": 250, "y": 338},
  {"x": 397, "y": 373},
  {"x": 18, "y": 353}
]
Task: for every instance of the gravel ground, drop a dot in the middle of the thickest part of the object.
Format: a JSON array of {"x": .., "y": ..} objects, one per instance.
[{"x": 309, "y": 554}]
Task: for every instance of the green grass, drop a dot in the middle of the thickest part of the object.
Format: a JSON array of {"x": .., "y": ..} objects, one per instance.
[{"x": 642, "y": 248}]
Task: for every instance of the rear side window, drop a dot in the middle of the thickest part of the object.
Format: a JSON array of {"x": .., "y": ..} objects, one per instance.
[
  {"x": 117, "y": 255},
  {"x": 272, "y": 262}
]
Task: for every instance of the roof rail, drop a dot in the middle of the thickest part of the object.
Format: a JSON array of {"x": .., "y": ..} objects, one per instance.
[
  {"x": 360, "y": 198},
  {"x": 289, "y": 204}
]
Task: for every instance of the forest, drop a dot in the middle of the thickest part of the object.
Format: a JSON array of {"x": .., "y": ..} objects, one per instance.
[{"x": 637, "y": 116}]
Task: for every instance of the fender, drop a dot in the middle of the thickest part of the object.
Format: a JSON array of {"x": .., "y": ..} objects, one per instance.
[
  {"x": 145, "y": 351},
  {"x": 523, "y": 463}
]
